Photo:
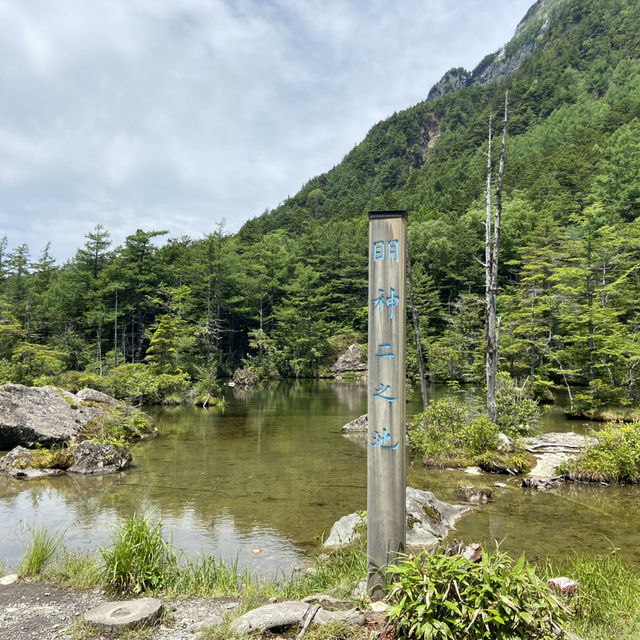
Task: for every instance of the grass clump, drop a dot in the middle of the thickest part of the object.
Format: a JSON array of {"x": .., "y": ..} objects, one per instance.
[
  {"x": 139, "y": 560},
  {"x": 616, "y": 457},
  {"x": 40, "y": 550},
  {"x": 205, "y": 576},
  {"x": 607, "y": 604},
  {"x": 437, "y": 596},
  {"x": 336, "y": 571}
]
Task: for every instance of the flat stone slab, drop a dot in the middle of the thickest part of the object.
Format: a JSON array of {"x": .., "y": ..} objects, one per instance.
[
  {"x": 271, "y": 616},
  {"x": 124, "y": 614},
  {"x": 552, "y": 449},
  {"x": 10, "y": 579}
]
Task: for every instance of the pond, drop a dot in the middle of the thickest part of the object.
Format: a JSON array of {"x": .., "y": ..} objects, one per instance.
[{"x": 262, "y": 480}]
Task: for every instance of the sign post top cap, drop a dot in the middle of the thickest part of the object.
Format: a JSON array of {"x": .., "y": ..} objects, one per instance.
[{"x": 377, "y": 215}]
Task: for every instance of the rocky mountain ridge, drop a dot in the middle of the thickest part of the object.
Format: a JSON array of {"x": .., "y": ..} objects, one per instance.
[{"x": 529, "y": 35}]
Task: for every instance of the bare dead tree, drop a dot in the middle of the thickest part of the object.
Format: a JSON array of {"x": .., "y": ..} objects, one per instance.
[
  {"x": 416, "y": 331},
  {"x": 492, "y": 253}
]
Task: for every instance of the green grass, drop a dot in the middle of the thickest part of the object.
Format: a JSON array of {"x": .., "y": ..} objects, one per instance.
[
  {"x": 337, "y": 571},
  {"x": 616, "y": 457},
  {"x": 40, "y": 550},
  {"x": 608, "y": 601},
  {"x": 79, "y": 570},
  {"x": 205, "y": 576}
]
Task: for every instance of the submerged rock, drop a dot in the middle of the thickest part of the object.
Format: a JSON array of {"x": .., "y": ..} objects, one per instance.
[
  {"x": 429, "y": 520},
  {"x": 478, "y": 495}
]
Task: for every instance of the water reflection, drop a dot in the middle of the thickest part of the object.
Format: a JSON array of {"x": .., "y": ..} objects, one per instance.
[{"x": 272, "y": 472}]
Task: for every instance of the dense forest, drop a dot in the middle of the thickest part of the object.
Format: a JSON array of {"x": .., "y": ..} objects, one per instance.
[{"x": 287, "y": 293}]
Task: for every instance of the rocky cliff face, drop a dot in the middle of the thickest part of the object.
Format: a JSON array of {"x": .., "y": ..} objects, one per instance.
[{"x": 496, "y": 66}]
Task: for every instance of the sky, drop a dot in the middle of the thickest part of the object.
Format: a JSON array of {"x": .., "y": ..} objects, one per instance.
[{"x": 182, "y": 114}]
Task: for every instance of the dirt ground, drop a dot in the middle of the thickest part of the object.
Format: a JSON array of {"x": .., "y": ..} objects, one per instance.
[{"x": 39, "y": 611}]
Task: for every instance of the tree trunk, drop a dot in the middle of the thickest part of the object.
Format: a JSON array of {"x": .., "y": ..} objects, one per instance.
[
  {"x": 492, "y": 253},
  {"x": 416, "y": 331}
]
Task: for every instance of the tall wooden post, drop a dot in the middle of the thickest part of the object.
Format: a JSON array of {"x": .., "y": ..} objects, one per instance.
[{"x": 386, "y": 478}]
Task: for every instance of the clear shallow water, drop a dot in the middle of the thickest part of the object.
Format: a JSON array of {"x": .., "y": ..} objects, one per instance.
[{"x": 263, "y": 479}]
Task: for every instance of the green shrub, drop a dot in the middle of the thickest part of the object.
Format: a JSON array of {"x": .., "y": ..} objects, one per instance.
[
  {"x": 616, "y": 457},
  {"x": 518, "y": 413},
  {"x": 436, "y": 596},
  {"x": 480, "y": 436},
  {"x": 600, "y": 395},
  {"x": 74, "y": 381},
  {"x": 139, "y": 560},
  {"x": 435, "y": 433},
  {"x": 451, "y": 434},
  {"x": 138, "y": 384}
]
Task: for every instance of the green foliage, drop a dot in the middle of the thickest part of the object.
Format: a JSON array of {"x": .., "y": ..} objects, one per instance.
[
  {"x": 74, "y": 381},
  {"x": 30, "y": 361},
  {"x": 41, "y": 549},
  {"x": 615, "y": 458},
  {"x": 480, "y": 436},
  {"x": 139, "y": 559},
  {"x": 435, "y": 435},
  {"x": 518, "y": 413},
  {"x": 119, "y": 426},
  {"x": 336, "y": 571},
  {"x": 138, "y": 383},
  {"x": 452, "y": 433},
  {"x": 208, "y": 577},
  {"x": 436, "y": 596}
]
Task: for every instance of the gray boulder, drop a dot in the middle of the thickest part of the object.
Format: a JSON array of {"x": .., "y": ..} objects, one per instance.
[
  {"x": 345, "y": 530},
  {"x": 359, "y": 425},
  {"x": 270, "y": 616},
  {"x": 350, "y": 361},
  {"x": 41, "y": 415},
  {"x": 477, "y": 495},
  {"x": 429, "y": 520},
  {"x": 92, "y": 395},
  {"x": 286, "y": 614},
  {"x": 97, "y": 458}
]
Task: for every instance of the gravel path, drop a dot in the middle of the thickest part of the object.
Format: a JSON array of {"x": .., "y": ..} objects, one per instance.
[{"x": 40, "y": 611}]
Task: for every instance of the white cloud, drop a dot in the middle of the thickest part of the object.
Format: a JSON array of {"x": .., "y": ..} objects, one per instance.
[{"x": 176, "y": 113}]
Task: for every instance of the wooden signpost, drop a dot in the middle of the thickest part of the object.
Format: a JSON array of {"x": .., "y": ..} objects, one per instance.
[{"x": 386, "y": 478}]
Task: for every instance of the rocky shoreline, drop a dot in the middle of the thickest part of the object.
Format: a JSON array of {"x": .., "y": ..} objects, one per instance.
[{"x": 50, "y": 431}]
